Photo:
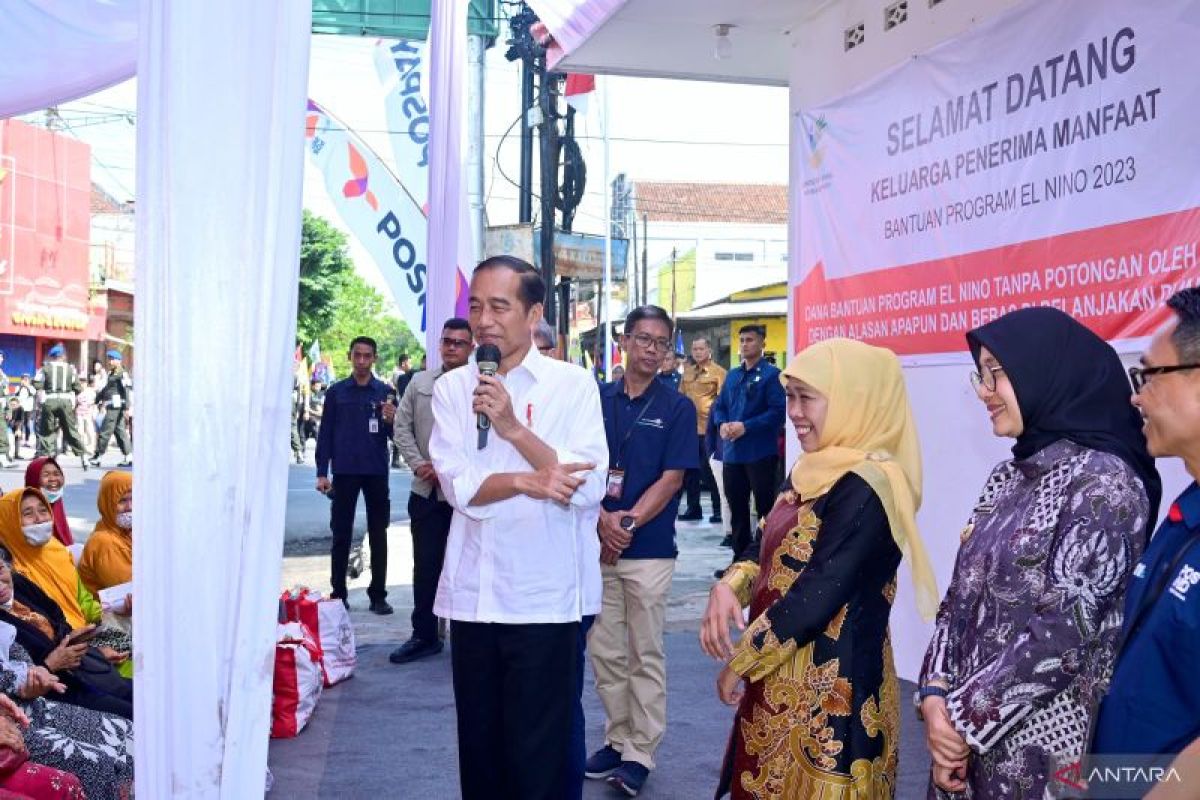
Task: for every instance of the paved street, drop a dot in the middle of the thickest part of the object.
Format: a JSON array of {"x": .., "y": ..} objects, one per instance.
[{"x": 389, "y": 732}]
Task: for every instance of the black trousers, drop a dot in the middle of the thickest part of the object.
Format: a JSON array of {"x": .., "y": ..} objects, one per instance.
[
  {"x": 701, "y": 479},
  {"x": 341, "y": 521},
  {"x": 755, "y": 478},
  {"x": 430, "y": 523},
  {"x": 514, "y": 694}
]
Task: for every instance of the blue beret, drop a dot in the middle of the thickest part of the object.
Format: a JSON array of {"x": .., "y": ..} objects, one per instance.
[
  {"x": 114, "y": 354},
  {"x": 57, "y": 350}
]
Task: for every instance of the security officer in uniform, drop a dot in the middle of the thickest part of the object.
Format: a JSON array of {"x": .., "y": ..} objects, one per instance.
[
  {"x": 114, "y": 397},
  {"x": 59, "y": 381}
]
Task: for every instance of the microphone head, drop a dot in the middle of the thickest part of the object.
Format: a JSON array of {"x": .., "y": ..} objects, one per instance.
[{"x": 487, "y": 358}]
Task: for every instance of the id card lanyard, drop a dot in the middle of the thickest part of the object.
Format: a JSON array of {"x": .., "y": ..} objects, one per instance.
[{"x": 616, "y": 474}]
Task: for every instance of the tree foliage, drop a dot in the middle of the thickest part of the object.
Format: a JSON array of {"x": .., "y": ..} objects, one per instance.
[
  {"x": 336, "y": 305},
  {"x": 360, "y": 310},
  {"x": 324, "y": 266}
]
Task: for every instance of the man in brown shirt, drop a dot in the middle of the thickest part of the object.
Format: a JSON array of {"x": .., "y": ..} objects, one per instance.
[{"x": 701, "y": 384}]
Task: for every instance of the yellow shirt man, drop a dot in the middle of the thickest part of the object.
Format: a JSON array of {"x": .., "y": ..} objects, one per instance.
[{"x": 702, "y": 382}]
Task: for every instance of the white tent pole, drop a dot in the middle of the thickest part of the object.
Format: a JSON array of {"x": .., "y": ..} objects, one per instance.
[{"x": 606, "y": 320}]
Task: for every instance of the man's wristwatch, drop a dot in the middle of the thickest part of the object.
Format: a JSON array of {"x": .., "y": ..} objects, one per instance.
[{"x": 627, "y": 523}]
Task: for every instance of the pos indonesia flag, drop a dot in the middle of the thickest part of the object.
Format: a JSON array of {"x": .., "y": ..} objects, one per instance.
[{"x": 578, "y": 89}]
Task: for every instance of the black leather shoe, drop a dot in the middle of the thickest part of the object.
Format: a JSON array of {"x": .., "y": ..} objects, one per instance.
[
  {"x": 715, "y": 519},
  {"x": 381, "y": 607},
  {"x": 727, "y": 541},
  {"x": 414, "y": 649},
  {"x": 719, "y": 574},
  {"x": 691, "y": 516}
]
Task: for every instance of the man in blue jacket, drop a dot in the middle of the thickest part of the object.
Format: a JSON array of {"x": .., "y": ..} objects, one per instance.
[
  {"x": 1152, "y": 708},
  {"x": 748, "y": 414},
  {"x": 356, "y": 427}
]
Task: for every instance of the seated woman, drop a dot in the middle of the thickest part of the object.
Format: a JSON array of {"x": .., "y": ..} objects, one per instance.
[
  {"x": 25, "y": 530},
  {"x": 108, "y": 555},
  {"x": 819, "y": 712},
  {"x": 20, "y": 778},
  {"x": 88, "y": 672},
  {"x": 44, "y": 473},
  {"x": 1023, "y": 645},
  {"x": 96, "y": 747}
]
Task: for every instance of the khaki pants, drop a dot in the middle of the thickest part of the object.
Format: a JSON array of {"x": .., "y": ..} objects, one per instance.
[{"x": 626, "y": 647}]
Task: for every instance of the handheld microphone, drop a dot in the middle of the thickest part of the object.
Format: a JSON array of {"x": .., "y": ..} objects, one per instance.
[{"x": 487, "y": 358}]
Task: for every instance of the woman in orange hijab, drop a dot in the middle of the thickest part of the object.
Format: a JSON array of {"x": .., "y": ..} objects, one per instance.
[{"x": 108, "y": 556}]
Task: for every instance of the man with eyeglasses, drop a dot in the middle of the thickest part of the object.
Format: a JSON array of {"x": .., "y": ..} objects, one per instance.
[
  {"x": 748, "y": 414},
  {"x": 651, "y": 442},
  {"x": 1153, "y": 701},
  {"x": 428, "y": 512}
]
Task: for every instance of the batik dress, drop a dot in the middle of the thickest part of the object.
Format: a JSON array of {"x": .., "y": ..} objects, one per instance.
[
  {"x": 1025, "y": 636},
  {"x": 820, "y": 716},
  {"x": 96, "y": 747}
]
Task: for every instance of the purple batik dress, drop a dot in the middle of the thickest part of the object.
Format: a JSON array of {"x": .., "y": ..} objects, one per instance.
[{"x": 1026, "y": 634}]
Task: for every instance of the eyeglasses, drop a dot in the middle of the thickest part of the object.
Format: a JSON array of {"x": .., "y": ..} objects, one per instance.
[
  {"x": 986, "y": 378},
  {"x": 647, "y": 341},
  {"x": 1140, "y": 376},
  {"x": 545, "y": 348},
  {"x": 451, "y": 342}
]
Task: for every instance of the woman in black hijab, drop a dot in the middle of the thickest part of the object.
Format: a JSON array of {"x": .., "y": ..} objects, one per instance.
[{"x": 1024, "y": 640}]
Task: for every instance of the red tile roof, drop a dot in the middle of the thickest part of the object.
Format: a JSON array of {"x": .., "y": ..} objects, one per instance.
[
  {"x": 104, "y": 203},
  {"x": 746, "y": 203}
]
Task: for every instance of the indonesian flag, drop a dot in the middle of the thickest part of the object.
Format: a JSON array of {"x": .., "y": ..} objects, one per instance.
[{"x": 579, "y": 88}]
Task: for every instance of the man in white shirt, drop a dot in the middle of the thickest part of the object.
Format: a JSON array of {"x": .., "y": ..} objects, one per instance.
[{"x": 522, "y": 561}]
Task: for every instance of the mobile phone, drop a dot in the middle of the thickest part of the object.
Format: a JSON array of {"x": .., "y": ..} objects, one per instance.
[{"x": 82, "y": 637}]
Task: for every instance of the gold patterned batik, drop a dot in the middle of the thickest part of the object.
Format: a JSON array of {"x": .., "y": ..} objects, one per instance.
[{"x": 813, "y": 723}]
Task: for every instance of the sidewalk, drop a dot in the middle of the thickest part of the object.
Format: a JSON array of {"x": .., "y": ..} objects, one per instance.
[{"x": 390, "y": 732}]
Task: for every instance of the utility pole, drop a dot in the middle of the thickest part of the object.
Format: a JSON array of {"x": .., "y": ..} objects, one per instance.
[
  {"x": 522, "y": 47},
  {"x": 548, "y": 103}
]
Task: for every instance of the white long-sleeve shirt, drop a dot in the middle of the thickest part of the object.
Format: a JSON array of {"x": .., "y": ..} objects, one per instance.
[{"x": 520, "y": 560}]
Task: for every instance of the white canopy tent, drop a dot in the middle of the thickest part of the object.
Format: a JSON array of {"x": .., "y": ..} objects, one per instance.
[{"x": 219, "y": 173}]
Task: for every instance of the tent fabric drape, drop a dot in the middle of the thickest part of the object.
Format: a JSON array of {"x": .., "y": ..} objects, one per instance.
[
  {"x": 55, "y": 51},
  {"x": 572, "y": 22},
  {"x": 449, "y": 223},
  {"x": 219, "y": 171}
]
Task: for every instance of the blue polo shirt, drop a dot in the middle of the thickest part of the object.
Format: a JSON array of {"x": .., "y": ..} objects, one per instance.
[
  {"x": 1153, "y": 701},
  {"x": 755, "y": 398},
  {"x": 671, "y": 379},
  {"x": 345, "y": 439},
  {"x": 648, "y": 435}
]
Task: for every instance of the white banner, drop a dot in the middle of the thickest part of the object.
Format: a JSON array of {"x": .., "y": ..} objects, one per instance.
[
  {"x": 1044, "y": 158},
  {"x": 403, "y": 70},
  {"x": 376, "y": 207},
  {"x": 401, "y": 67}
]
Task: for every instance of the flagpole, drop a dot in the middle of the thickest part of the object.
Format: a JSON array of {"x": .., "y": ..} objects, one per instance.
[{"x": 607, "y": 297}]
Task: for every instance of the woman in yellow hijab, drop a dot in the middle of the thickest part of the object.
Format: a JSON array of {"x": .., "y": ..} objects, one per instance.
[
  {"x": 812, "y": 676},
  {"x": 108, "y": 556},
  {"x": 27, "y": 532},
  {"x": 42, "y": 558}
]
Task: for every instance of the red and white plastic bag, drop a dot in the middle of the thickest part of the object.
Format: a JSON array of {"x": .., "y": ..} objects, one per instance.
[
  {"x": 330, "y": 621},
  {"x": 299, "y": 680}
]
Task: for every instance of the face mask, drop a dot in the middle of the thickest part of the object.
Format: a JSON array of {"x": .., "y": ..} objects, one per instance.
[
  {"x": 125, "y": 520},
  {"x": 37, "y": 535},
  {"x": 53, "y": 497}
]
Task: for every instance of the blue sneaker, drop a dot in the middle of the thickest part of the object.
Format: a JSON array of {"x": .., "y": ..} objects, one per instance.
[
  {"x": 601, "y": 763},
  {"x": 629, "y": 778}
]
